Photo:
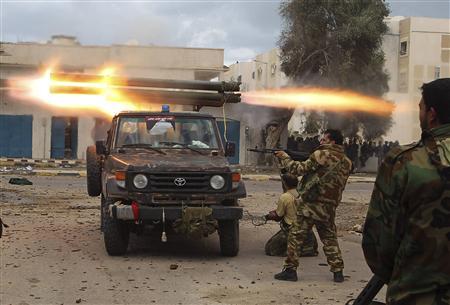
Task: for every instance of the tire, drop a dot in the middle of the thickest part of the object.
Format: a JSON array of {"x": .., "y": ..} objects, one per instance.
[
  {"x": 116, "y": 233},
  {"x": 93, "y": 172},
  {"x": 229, "y": 237}
]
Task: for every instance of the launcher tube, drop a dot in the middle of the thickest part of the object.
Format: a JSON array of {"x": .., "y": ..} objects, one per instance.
[{"x": 146, "y": 82}]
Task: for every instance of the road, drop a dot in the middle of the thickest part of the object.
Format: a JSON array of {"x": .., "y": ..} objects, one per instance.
[{"x": 53, "y": 253}]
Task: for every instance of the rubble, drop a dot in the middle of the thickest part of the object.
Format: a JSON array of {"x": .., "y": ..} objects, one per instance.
[{"x": 20, "y": 181}]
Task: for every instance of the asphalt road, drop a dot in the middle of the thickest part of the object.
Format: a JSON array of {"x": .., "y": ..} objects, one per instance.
[{"x": 53, "y": 253}]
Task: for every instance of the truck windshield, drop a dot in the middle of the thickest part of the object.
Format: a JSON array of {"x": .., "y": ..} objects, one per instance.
[{"x": 166, "y": 132}]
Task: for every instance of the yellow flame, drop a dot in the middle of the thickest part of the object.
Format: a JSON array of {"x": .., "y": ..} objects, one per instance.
[
  {"x": 109, "y": 101},
  {"x": 321, "y": 99}
]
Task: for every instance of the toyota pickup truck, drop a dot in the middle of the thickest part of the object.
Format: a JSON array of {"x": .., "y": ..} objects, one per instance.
[{"x": 165, "y": 170}]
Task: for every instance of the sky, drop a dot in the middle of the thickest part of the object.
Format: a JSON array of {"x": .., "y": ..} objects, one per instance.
[{"x": 243, "y": 28}]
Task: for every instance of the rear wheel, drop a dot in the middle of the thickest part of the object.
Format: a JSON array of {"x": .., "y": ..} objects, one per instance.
[
  {"x": 116, "y": 232},
  {"x": 229, "y": 237},
  {"x": 93, "y": 172}
]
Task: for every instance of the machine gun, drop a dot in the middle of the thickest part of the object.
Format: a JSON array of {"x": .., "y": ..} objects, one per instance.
[
  {"x": 295, "y": 155},
  {"x": 368, "y": 293}
]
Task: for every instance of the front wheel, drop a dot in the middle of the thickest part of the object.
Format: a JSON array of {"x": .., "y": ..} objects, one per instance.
[
  {"x": 116, "y": 232},
  {"x": 229, "y": 237}
]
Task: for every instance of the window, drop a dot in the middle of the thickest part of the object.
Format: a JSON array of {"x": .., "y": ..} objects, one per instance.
[
  {"x": 437, "y": 72},
  {"x": 273, "y": 69},
  {"x": 403, "y": 48}
]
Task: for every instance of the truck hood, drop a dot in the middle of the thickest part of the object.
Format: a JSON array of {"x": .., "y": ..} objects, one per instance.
[{"x": 173, "y": 160}]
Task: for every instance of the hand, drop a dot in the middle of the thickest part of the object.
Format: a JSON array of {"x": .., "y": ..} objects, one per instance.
[{"x": 281, "y": 154}]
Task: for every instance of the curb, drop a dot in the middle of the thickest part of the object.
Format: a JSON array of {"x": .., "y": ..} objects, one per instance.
[
  {"x": 43, "y": 161},
  {"x": 352, "y": 179}
]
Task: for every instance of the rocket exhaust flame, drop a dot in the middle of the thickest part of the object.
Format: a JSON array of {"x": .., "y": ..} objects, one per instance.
[
  {"x": 80, "y": 97},
  {"x": 111, "y": 94},
  {"x": 321, "y": 99}
]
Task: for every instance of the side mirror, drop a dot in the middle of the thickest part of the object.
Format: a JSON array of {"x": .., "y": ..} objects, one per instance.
[
  {"x": 100, "y": 147},
  {"x": 230, "y": 149}
]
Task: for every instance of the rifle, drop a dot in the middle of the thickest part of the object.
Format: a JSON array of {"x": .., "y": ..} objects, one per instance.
[
  {"x": 295, "y": 155},
  {"x": 369, "y": 293}
]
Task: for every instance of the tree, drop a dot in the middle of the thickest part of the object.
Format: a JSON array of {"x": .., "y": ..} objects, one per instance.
[{"x": 337, "y": 43}]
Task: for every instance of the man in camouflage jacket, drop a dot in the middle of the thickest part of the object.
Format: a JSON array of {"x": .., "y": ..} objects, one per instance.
[
  {"x": 325, "y": 174},
  {"x": 406, "y": 236}
]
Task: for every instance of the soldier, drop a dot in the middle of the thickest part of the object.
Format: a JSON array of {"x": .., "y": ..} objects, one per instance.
[
  {"x": 286, "y": 214},
  {"x": 325, "y": 174},
  {"x": 406, "y": 236}
]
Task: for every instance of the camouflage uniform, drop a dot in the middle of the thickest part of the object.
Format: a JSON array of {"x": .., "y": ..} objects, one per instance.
[
  {"x": 330, "y": 167},
  {"x": 277, "y": 244},
  {"x": 406, "y": 238}
]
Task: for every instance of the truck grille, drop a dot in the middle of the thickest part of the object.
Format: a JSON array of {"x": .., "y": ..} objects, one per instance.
[
  {"x": 181, "y": 182},
  {"x": 191, "y": 182}
]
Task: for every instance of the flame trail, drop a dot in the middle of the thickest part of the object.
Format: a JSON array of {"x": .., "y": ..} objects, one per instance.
[
  {"x": 322, "y": 99},
  {"x": 97, "y": 96}
]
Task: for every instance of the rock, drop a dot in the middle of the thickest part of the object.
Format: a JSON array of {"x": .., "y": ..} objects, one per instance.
[
  {"x": 173, "y": 267},
  {"x": 357, "y": 228}
]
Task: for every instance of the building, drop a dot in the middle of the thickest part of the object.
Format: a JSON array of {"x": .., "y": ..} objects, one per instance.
[
  {"x": 417, "y": 51},
  {"x": 260, "y": 73},
  {"x": 31, "y": 131}
]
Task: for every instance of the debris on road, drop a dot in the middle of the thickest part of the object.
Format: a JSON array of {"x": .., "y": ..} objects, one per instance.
[
  {"x": 2, "y": 224},
  {"x": 357, "y": 228},
  {"x": 20, "y": 181}
]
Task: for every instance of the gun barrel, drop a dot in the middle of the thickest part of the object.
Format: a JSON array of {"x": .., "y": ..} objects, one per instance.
[{"x": 369, "y": 292}]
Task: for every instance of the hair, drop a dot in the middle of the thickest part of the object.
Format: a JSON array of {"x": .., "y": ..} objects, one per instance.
[
  {"x": 335, "y": 135},
  {"x": 290, "y": 181},
  {"x": 436, "y": 94}
]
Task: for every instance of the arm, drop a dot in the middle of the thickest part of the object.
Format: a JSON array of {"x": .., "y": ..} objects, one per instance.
[
  {"x": 300, "y": 168},
  {"x": 277, "y": 215},
  {"x": 382, "y": 234},
  {"x": 272, "y": 215}
]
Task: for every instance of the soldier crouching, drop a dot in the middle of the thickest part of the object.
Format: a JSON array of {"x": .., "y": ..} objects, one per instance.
[{"x": 286, "y": 214}]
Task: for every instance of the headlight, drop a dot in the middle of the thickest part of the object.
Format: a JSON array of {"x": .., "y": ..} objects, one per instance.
[
  {"x": 140, "y": 181},
  {"x": 217, "y": 182}
]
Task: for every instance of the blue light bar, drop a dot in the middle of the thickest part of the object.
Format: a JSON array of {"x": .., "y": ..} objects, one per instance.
[{"x": 165, "y": 108}]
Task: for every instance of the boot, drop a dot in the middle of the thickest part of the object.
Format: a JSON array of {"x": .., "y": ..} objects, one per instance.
[
  {"x": 338, "y": 276},
  {"x": 287, "y": 274}
]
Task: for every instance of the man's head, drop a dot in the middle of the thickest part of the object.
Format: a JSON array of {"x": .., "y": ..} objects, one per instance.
[
  {"x": 332, "y": 136},
  {"x": 434, "y": 107},
  {"x": 289, "y": 181}
]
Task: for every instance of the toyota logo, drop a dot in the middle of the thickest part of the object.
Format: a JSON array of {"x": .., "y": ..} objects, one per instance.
[{"x": 179, "y": 181}]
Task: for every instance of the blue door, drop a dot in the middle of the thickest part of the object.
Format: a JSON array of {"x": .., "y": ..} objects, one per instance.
[
  {"x": 16, "y": 136},
  {"x": 233, "y": 135},
  {"x": 58, "y": 137},
  {"x": 64, "y": 138}
]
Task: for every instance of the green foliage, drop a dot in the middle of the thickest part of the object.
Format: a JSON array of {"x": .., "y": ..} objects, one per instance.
[{"x": 337, "y": 43}]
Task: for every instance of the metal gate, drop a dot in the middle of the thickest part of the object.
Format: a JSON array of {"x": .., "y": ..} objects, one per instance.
[{"x": 16, "y": 136}]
